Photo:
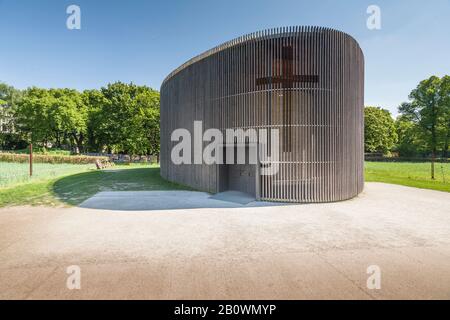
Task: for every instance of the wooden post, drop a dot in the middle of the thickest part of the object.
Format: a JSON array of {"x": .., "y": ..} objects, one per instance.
[
  {"x": 433, "y": 159},
  {"x": 31, "y": 159}
]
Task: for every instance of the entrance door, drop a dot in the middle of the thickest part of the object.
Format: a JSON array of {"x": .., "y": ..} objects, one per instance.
[
  {"x": 239, "y": 177},
  {"x": 242, "y": 177}
]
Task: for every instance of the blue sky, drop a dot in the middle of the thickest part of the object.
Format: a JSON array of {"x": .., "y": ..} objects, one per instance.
[{"x": 143, "y": 41}]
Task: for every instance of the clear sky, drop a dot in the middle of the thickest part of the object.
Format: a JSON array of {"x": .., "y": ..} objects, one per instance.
[{"x": 143, "y": 41}]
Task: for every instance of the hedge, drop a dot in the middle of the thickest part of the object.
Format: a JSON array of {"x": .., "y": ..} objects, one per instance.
[
  {"x": 404, "y": 159},
  {"x": 40, "y": 158}
]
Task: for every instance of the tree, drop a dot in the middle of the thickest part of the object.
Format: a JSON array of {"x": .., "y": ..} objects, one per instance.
[
  {"x": 119, "y": 118},
  {"x": 68, "y": 115},
  {"x": 444, "y": 125},
  {"x": 54, "y": 115},
  {"x": 127, "y": 119},
  {"x": 409, "y": 140},
  {"x": 94, "y": 101},
  {"x": 148, "y": 119},
  {"x": 379, "y": 130},
  {"x": 9, "y": 94},
  {"x": 32, "y": 115},
  {"x": 429, "y": 110},
  {"x": 9, "y": 138}
]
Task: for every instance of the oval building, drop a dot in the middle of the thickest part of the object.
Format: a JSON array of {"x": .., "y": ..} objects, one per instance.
[{"x": 304, "y": 83}]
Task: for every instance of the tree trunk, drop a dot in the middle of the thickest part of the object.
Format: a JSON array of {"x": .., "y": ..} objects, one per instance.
[
  {"x": 78, "y": 142},
  {"x": 58, "y": 140}
]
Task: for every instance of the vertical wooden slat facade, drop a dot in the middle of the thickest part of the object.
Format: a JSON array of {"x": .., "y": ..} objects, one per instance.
[{"x": 320, "y": 121}]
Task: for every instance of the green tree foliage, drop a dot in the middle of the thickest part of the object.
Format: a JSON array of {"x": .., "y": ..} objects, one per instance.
[
  {"x": 52, "y": 116},
  {"x": 9, "y": 95},
  {"x": 379, "y": 130},
  {"x": 129, "y": 119},
  {"x": 68, "y": 115},
  {"x": 409, "y": 142},
  {"x": 9, "y": 138},
  {"x": 120, "y": 118},
  {"x": 32, "y": 115},
  {"x": 95, "y": 101},
  {"x": 444, "y": 123},
  {"x": 429, "y": 110}
]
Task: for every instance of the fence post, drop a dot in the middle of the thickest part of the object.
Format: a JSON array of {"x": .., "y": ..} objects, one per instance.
[{"x": 31, "y": 159}]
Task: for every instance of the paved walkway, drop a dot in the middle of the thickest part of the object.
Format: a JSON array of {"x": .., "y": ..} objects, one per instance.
[
  {"x": 169, "y": 200},
  {"x": 279, "y": 252}
]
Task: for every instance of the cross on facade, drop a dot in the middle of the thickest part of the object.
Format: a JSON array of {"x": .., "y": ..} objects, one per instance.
[{"x": 287, "y": 81}]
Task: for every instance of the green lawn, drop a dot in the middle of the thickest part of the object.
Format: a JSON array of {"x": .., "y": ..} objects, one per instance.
[
  {"x": 67, "y": 184},
  {"x": 409, "y": 174},
  {"x": 73, "y": 189},
  {"x": 18, "y": 173}
]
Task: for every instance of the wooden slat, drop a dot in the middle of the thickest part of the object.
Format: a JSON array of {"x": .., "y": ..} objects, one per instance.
[{"x": 324, "y": 150}]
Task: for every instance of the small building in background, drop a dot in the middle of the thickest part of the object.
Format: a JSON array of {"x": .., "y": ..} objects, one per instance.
[{"x": 6, "y": 119}]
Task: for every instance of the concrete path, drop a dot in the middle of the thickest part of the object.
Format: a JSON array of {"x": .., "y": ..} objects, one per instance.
[
  {"x": 275, "y": 252},
  {"x": 168, "y": 200}
]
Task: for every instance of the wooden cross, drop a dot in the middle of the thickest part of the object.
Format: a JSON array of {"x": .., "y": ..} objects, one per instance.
[{"x": 287, "y": 81}]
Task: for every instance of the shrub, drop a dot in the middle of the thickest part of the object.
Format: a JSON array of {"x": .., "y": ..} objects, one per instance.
[
  {"x": 44, "y": 151},
  {"x": 39, "y": 158}
]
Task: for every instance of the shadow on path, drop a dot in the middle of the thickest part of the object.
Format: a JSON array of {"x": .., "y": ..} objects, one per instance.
[
  {"x": 141, "y": 189},
  {"x": 170, "y": 200}
]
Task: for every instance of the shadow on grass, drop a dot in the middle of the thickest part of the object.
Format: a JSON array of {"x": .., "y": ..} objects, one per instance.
[{"x": 75, "y": 189}]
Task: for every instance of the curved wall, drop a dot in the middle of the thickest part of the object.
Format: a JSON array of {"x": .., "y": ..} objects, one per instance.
[{"x": 306, "y": 81}]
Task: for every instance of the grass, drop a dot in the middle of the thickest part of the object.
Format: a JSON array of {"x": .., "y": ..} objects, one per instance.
[
  {"x": 75, "y": 188},
  {"x": 67, "y": 184},
  {"x": 409, "y": 174},
  {"x": 12, "y": 173}
]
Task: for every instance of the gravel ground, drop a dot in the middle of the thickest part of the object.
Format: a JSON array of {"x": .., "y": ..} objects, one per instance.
[{"x": 314, "y": 251}]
